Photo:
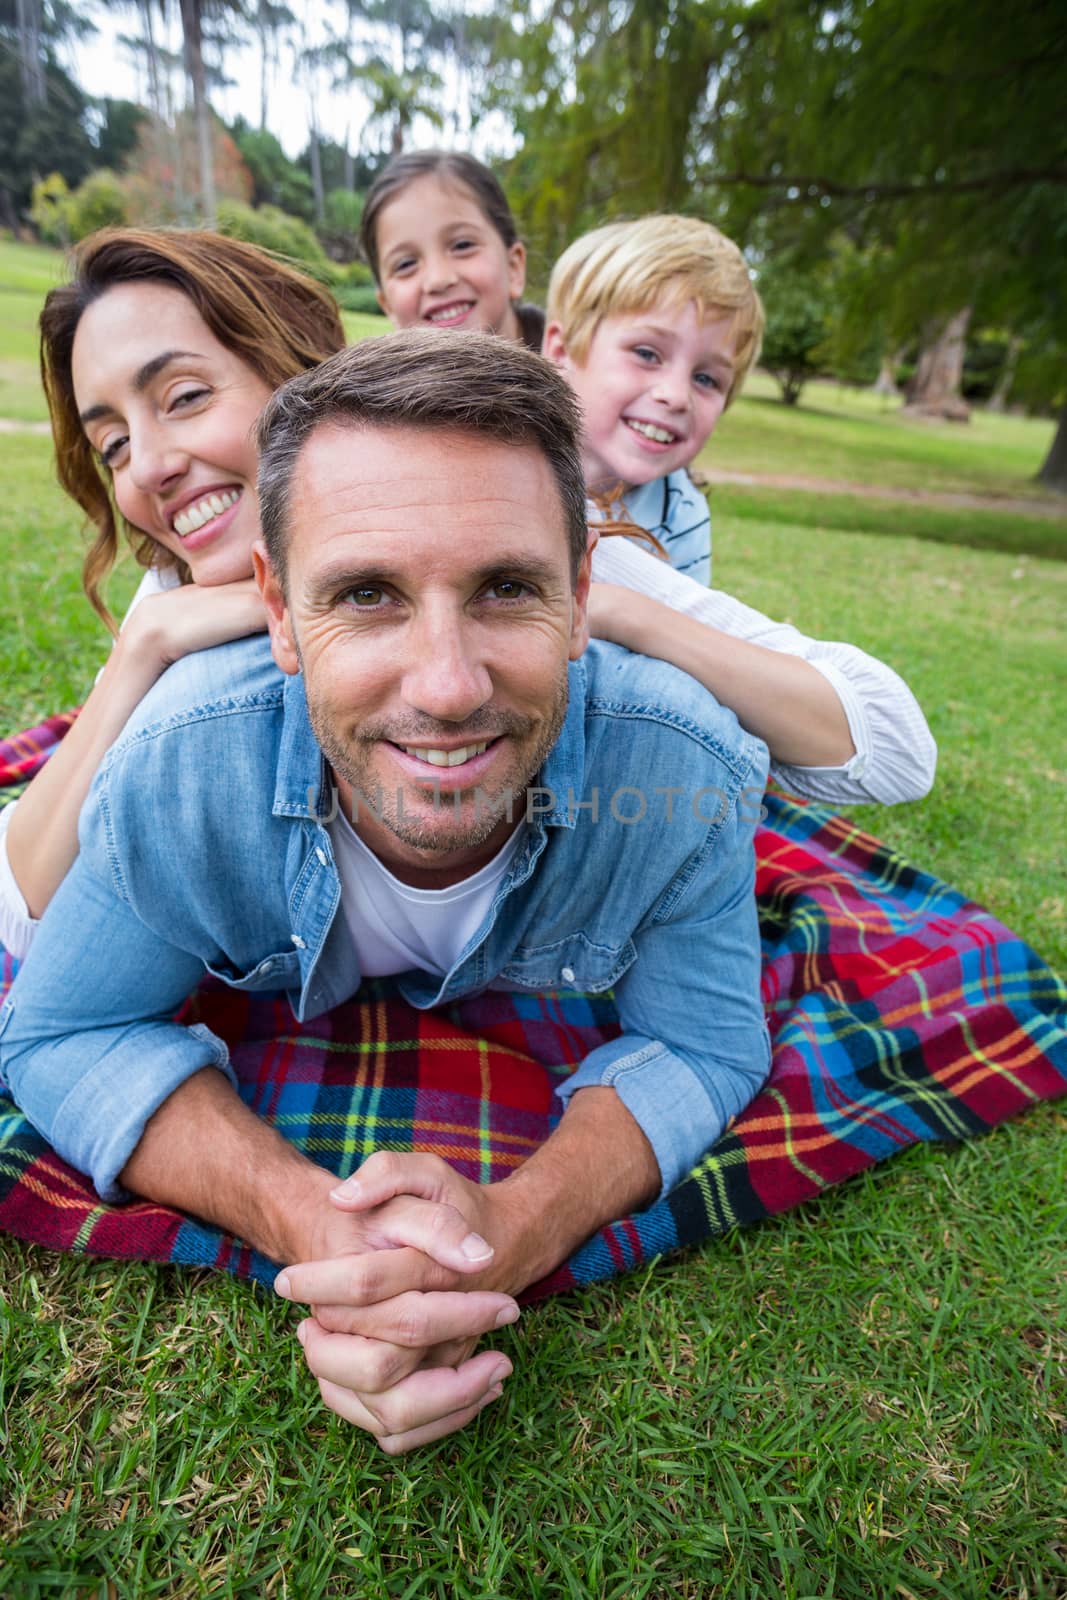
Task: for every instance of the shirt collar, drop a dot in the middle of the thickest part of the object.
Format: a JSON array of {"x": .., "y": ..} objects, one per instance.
[{"x": 300, "y": 782}]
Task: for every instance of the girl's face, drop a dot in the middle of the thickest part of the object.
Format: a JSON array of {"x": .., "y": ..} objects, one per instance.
[
  {"x": 443, "y": 264},
  {"x": 170, "y": 411}
]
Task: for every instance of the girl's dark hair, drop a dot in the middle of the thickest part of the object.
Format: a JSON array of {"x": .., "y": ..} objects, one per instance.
[
  {"x": 404, "y": 169},
  {"x": 275, "y": 319}
]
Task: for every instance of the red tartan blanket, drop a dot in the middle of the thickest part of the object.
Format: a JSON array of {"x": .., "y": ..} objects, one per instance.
[{"x": 899, "y": 1011}]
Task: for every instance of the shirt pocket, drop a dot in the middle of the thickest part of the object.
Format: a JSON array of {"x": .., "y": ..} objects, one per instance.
[
  {"x": 571, "y": 963},
  {"x": 280, "y": 971}
]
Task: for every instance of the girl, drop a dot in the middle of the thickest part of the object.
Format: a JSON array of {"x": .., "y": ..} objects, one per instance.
[
  {"x": 840, "y": 725},
  {"x": 439, "y": 236}
]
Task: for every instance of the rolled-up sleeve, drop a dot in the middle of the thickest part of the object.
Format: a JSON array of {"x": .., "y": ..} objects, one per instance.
[
  {"x": 694, "y": 1049},
  {"x": 88, "y": 1045}
]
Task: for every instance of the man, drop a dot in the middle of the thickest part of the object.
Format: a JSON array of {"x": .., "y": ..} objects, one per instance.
[{"x": 445, "y": 785}]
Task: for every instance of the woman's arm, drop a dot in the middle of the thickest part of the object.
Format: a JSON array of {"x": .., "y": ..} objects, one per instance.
[
  {"x": 840, "y": 725},
  {"x": 41, "y": 838}
]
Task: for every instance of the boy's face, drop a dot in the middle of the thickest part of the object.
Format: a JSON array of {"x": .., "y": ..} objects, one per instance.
[{"x": 652, "y": 388}]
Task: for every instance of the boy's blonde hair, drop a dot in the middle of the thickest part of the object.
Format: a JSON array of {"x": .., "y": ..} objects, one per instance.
[{"x": 628, "y": 267}]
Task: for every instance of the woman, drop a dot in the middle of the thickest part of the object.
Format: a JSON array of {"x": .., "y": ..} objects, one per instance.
[{"x": 156, "y": 360}]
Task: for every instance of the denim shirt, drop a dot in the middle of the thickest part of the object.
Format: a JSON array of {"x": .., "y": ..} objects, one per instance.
[{"x": 204, "y": 847}]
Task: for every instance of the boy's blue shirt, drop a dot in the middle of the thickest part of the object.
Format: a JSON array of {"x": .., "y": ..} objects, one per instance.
[
  {"x": 204, "y": 846},
  {"x": 676, "y": 511}
]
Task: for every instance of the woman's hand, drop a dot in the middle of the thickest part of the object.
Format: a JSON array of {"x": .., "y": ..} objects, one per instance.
[{"x": 167, "y": 626}]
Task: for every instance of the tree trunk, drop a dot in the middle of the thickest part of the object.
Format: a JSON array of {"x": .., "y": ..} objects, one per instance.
[
  {"x": 1054, "y": 472},
  {"x": 155, "y": 91},
  {"x": 886, "y": 381},
  {"x": 316, "y": 169},
  {"x": 194, "y": 65},
  {"x": 934, "y": 391},
  {"x": 1001, "y": 390},
  {"x": 263, "y": 48},
  {"x": 31, "y": 62}
]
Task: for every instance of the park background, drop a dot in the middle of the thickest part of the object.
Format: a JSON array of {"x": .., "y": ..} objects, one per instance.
[{"x": 865, "y": 1398}]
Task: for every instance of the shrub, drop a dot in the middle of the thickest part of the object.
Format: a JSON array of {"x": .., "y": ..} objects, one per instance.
[
  {"x": 50, "y": 208},
  {"x": 358, "y": 297},
  {"x": 98, "y": 202},
  {"x": 276, "y": 231}
]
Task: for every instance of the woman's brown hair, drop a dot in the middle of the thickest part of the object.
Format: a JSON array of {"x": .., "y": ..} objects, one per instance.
[{"x": 277, "y": 320}]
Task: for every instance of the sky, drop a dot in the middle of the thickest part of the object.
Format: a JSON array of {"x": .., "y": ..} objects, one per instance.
[{"x": 104, "y": 66}]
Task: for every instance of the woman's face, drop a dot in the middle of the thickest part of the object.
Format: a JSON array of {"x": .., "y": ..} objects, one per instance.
[{"x": 170, "y": 411}]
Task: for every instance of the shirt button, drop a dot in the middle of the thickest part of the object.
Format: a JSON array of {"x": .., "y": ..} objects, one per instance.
[
  {"x": 321, "y": 855},
  {"x": 567, "y": 974},
  {"x": 300, "y": 945}
]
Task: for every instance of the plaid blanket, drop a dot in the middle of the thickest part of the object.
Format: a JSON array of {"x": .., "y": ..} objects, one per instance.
[{"x": 899, "y": 1010}]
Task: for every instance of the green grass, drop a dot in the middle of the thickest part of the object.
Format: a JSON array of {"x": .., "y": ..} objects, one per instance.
[
  {"x": 863, "y": 1399},
  {"x": 855, "y": 436},
  {"x": 980, "y": 529}
]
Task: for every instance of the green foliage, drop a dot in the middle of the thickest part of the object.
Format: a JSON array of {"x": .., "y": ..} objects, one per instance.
[
  {"x": 99, "y": 202},
  {"x": 276, "y": 180},
  {"x": 50, "y": 208},
  {"x": 361, "y": 297},
  {"x": 272, "y": 230},
  {"x": 117, "y": 138},
  {"x": 38, "y": 139},
  {"x": 339, "y": 230},
  {"x": 798, "y": 307}
]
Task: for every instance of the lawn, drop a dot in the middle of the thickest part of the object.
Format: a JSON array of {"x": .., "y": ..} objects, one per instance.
[{"x": 863, "y": 1399}]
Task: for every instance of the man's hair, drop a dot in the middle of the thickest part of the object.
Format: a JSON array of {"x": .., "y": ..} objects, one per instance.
[
  {"x": 453, "y": 167},
  {"x": 272, "y": 317},
  {"x": 629, "y": 267},
  {"x": 473, "y": 383}
]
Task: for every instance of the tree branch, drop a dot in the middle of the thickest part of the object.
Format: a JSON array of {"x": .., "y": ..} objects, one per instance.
[{"x": 1011, "y": 178}]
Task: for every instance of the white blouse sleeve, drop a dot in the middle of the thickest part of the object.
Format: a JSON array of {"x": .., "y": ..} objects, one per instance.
[
  {"x": 895, "y": 754},
  {"x": 17, "y": 927}
]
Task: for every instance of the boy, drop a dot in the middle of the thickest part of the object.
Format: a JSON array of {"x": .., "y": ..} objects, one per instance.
[{"x": 655, "y": 324}]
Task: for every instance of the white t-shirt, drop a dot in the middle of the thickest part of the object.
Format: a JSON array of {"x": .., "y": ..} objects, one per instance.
[{"x": 395, "y": 928}]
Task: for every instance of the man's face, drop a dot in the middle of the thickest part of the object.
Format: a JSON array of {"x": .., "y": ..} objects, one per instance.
[{"x": 430, "y": 606}]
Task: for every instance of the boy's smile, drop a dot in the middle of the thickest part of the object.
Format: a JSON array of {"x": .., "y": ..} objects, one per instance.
[{"x": 652, "y": 388}]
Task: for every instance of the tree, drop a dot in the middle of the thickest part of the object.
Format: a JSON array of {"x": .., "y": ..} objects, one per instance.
[
  {"x": 798, "y": 326},
  {"x": 117, "y": 138}
]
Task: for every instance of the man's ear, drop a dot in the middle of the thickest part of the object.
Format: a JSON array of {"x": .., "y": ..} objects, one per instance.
[
  {"x": 279, "y": 624},
  {"x": 580, "y": 611}
]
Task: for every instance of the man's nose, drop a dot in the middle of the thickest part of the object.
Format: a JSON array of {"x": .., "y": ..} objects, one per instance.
[
  {"x": 446, "y": 677},
  {"x": 156, "y": 463}
]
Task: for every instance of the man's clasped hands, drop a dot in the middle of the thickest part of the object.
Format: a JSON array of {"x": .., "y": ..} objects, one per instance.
[{"x": 409, "y": 1265}]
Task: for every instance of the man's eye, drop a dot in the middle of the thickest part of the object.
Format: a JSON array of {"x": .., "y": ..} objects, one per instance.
[
  {"x": 509, "y": 589},
  {"x": 365, "y": 597}
]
